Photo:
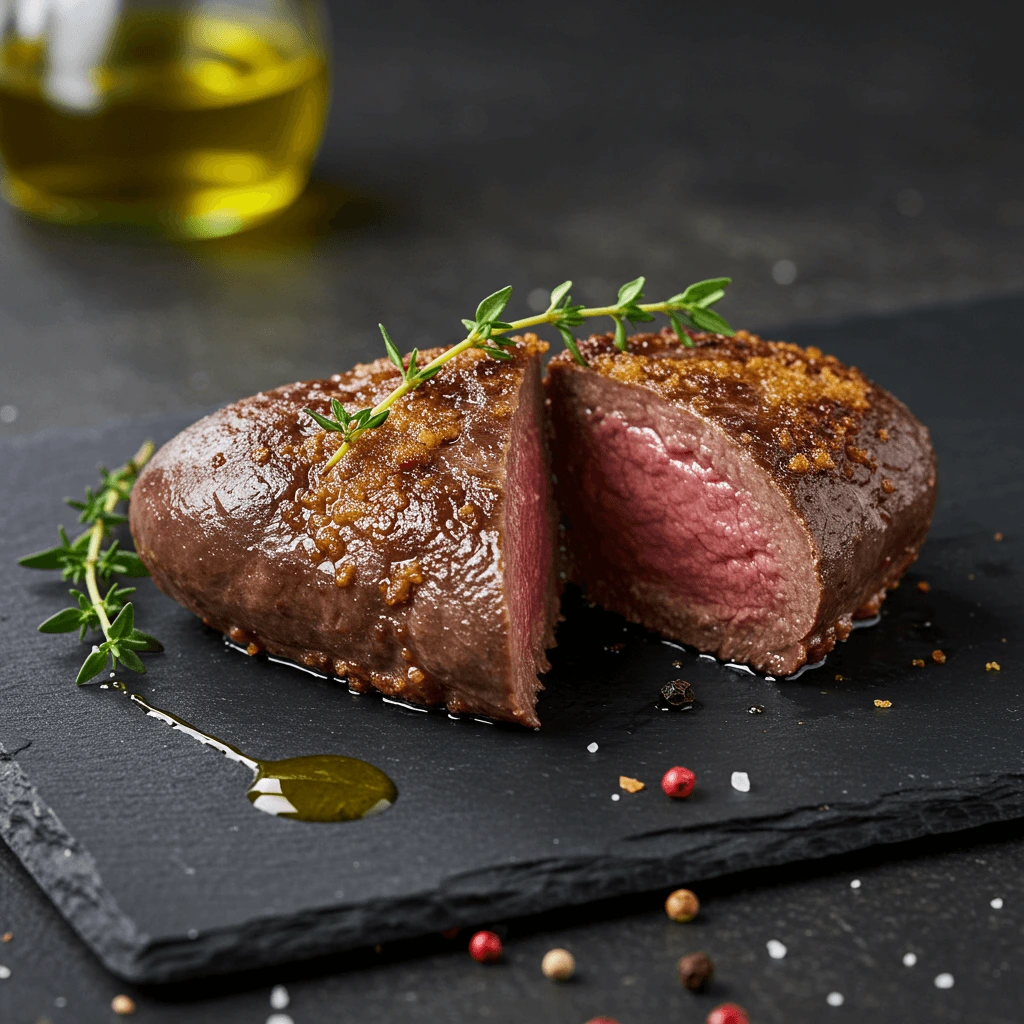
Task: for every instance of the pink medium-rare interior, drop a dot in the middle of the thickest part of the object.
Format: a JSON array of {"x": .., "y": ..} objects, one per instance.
[
  {"x": 527, "y": 551},
  {"x": 684, "y": 525}
]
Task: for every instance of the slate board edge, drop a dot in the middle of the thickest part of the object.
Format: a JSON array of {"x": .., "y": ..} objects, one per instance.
[{"x": 642, "y": 864}]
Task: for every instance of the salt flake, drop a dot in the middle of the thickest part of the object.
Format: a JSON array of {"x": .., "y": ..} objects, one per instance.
[{"x": 741, "y": 782}]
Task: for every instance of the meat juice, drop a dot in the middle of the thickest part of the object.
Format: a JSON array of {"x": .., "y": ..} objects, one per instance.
[{"x": 200, "y": 126}]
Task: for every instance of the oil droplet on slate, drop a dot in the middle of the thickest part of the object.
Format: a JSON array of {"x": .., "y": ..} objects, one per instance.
[{"x": 318, "y": 787}]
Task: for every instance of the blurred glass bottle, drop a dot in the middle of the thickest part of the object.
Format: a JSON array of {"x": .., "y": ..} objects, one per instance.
[{"x": 195, "y": 119}]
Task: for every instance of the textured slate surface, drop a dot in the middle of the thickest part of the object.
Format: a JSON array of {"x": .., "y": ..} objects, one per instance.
[{"x": 146, "y": 843}]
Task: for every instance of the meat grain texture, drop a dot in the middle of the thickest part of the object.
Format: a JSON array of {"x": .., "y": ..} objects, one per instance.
[
  {"x": 748, "y": 497},
  {"x": 421, "y": 565}
]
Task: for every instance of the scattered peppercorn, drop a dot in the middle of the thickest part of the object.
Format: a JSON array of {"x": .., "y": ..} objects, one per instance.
[
  {"x": 558, "y": 965},
  {"x": 678, "y": 782},
  {"x": 728, "y": 1013},
  {"x": 939, "y": 657},
  {"x": 992, "y": 666},
  {"x": 677, "y": 692},
  {"x": 883, "y": 703},
  {"x": 997, "y": 537},
  {"x": 602, "y": 1020},
  {"x": 918, "y": 663},
  {"x": 682, "y": 905},
  {"x": 485, "y": 948},
  {"x": 615, "y": 648},
  {"x": 630, "y": 785},
  {"x": 924, "y": 586},
  {"x": 122, "y": 1005},
  {"x": 696, "y": 970}
]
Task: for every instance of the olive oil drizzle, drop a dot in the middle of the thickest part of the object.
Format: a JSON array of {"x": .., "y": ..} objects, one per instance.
[{"x": 316, "y": 787}]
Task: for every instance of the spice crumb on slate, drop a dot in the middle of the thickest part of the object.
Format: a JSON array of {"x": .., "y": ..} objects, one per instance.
[
  {"x": 997, "y": 903},
  {"x": 602, "y": 1020},
  {"x": 592, "y": 748},
  {"x": 630, "y": 785},
  {"x": 835, "y": 999},
  {"x": 7, "y": 936},
  {"x": 696, "y": 971},
  {"x": 997, "y": 537},
  {"x": 944, "y": 980},
  {"x": 909, "y": 959},
  {"x": 839, "y": 678},
  {"x": 992, "y": 666},
  {"x": 918, "y": 663},
  {"x": 776, "y": 950},
  {"x": 924, "y": 586},
  {"x": 615, "y": 648},
  {"x": 883, "y": 703},
  {"x": 755, "y": 709},
  {"x": 122, "y": 1005},
  {"x": 677, "y": 664},
  {"x": 740, "y": 782},
  {"x": 939, "y": 657},
  {"x": 682, "y": 906},
  {"x": 558, "y": 965},
  {"x": 677, "y": 692}
]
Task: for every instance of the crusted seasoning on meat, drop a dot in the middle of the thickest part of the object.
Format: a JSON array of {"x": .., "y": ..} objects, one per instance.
[
  {"x": 420, "y": 565},
  {"x": 748, "y": 497}
]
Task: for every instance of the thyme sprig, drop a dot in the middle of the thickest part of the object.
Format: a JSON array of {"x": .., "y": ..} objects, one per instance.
[
  {"x": 690, "y": 309},
  {"x": 83, "y": 559}
]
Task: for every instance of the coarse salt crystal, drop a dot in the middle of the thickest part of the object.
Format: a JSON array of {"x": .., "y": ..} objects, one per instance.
[
  {"x": 279, "y": 1018},
  {"x": 5, "y": 972},
  {"x": 740, "y": 782},
  {"x": 855, "y": 884},
  {"x": 835, "y": 999},
  {"x": 944, "y": 980},
  {"x": 279, "y": 997},
  {"x": 776, "y": 949},
  {"x": 615, "y": 796},
  {"x": 909, "y": 959},
  {"x": 592, "y": 747},
  {"x": 997, "y": 903}
]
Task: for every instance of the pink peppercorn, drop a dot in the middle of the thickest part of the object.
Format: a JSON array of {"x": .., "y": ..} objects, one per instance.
[
  {"x": 602, "y": 1020},
  {"x": 678, "y": 782},
  {"x": 728, "y": 1013},
  {"x": 485, "y": 948}
]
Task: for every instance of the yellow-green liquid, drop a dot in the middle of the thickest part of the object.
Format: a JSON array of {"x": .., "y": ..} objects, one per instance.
[{"x": 207, "y": 127}]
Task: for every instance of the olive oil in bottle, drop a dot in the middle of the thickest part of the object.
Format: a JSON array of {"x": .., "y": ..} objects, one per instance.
[{"x": 199, "y": 127}]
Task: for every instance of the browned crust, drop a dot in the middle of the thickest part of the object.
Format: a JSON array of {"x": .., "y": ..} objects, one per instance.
[
  {"x": 855, "y": 465},
  {"x": 389, "y": 570}
]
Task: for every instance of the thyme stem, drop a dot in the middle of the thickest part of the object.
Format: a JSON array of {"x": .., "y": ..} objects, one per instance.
[{"x": 689, "y": 309}]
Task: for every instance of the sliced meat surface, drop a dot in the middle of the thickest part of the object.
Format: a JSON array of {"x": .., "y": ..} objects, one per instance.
[
  {"x": 748, "y": 497},
  {"x": 420, "y": 565}
]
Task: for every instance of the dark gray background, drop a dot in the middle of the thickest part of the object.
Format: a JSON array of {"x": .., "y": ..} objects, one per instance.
[{"x": 878, "y": 150}]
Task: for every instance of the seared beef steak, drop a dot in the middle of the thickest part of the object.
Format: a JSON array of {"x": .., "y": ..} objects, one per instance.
[
  {"x": 748, "y": 497},
  {"x": 421, "y": 564}
]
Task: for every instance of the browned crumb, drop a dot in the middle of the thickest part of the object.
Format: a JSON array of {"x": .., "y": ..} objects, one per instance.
[
  {"x": 123, "y": 1005},
  {"x": 918, "y": 663},
  {"x": 887, "y": 485},
  {"x": 630, "y": 785},
  {"x": 252, "y": 649},
  {"x": 799, "y": 464},
  {"x": 839, "y": 678},
  {"x": 7, "y": 936},
  {"x": 883, "y": 434},
  {"x": 997, "y": 537},
  {"x": 970, "y": 575},
  {"x": 344, "y": 574},
  {"x": 992, "y": 666},
  {"x": 939, "y": 657},
  {"x": 883, "y": 703},
  {"x": 924, "y": 586}
]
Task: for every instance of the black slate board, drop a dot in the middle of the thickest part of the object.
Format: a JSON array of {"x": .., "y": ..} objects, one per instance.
[{"x": 145, "y": 841}]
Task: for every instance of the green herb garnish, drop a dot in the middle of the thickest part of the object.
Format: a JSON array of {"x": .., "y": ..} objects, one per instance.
[
  {"x": 82, "y": 559},
  {"x": 689, "y": 309}
]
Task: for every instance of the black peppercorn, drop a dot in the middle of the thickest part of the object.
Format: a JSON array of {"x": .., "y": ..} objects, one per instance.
[
  {"x": 678, "y": 692},
  {"x": 696, "y": 971}
]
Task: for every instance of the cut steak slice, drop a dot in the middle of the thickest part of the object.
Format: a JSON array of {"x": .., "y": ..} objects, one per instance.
[
  {"x": 421, "y": 565},
  {"x": 748, "y": 497}
]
